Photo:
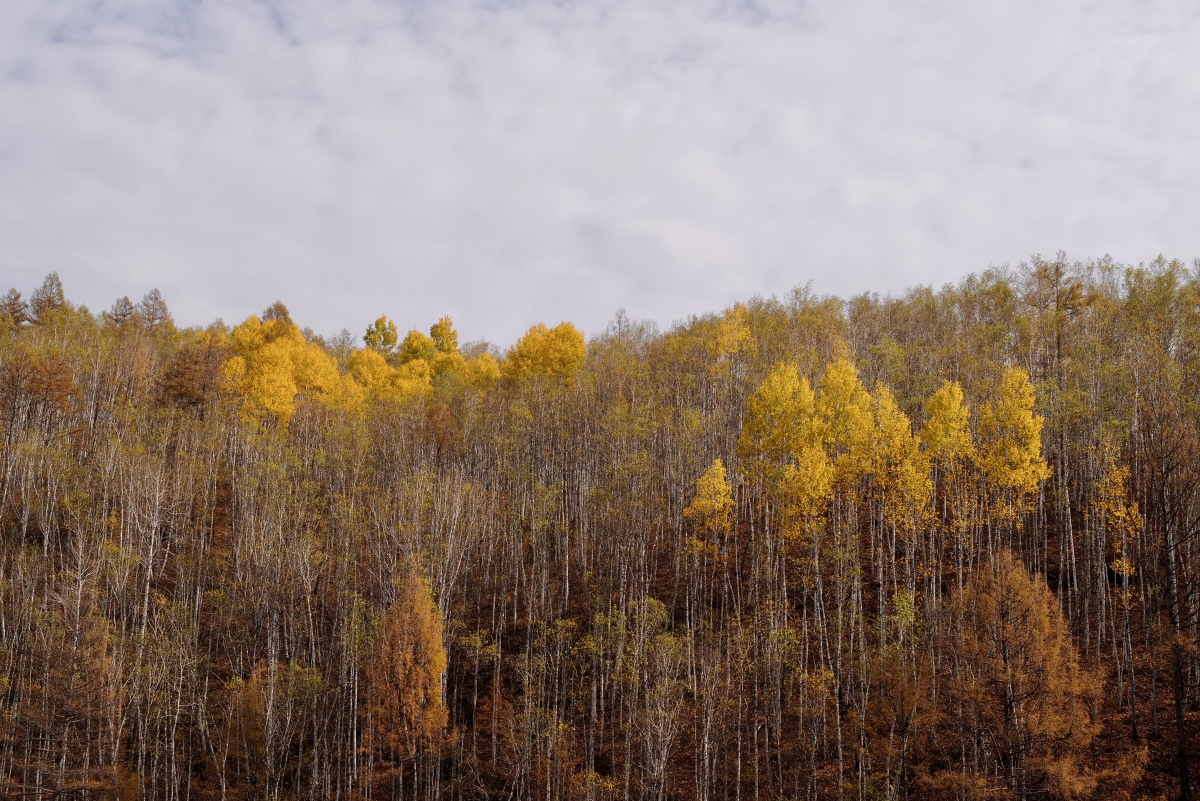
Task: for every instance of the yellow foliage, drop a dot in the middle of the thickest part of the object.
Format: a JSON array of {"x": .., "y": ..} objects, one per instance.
[
  {"x": 1120, "y": 517},
  {"x": 900, "y": 467},
  {"x": 947, "y": 432},
  {"x": 555, "y": 352},
  {"x": 414, "y": 375},
  {"x": 712, "y": 508},
  {"x": 1010, "y": 450},
  {"x": 438, "y": 352},
  {"x": 779, "y": 417},
  {"x": 273, "y": 383},
  {"x": 843, "y": 416},
  {"x": 273, "y": 364},
  {"x": 444, "y": 363},
  {"x": 733, "y": 333},
  {"x": 381, "y": 335},
  {"x": 444, "y": 337},
  {"x": 483, "y": 370},
  {"x": 369, "y": 368},
  {"x": 383, "y": 382},
  {"x": 417, "y": 346},
  {"x": 806, "y": 487}
]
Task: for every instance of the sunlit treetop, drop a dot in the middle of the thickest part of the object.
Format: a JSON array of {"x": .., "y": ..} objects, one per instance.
[
  {"x": 273, "y": 364},
  {"x": 483, "y": 370},
  {"x": 733, "y": 333},
  {"x": 779, "y": 417},
  {"x": 383, "y": 382},
  {"x": 900, "y": 467},
  {"x": 1010, "y": 437},
  {"x": 382, "y": 335},
  {"x": 946, "y": 435},
  {"x": 445, "y": 338},
  {"x": 438, "y": 349},
  {"x": 553, "y": 352},
  {"x": 844, "y": 418},
  {"x": 417, "y": 345}
]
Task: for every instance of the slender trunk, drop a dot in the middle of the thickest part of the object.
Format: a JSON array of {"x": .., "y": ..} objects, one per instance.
[{"x": 1177, "y": 670}]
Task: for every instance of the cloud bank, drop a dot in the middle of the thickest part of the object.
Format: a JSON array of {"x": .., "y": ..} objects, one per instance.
[{"x": 515, "y": 161}]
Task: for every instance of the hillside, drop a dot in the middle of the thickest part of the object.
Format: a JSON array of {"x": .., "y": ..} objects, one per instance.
[{"x": 935, "y": 546}]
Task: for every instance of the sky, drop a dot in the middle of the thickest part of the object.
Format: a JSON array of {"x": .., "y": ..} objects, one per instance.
[{"x": 521, "y": 161}]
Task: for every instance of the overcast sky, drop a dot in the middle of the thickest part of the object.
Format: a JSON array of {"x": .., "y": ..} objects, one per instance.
[{"x": 517, "y": 161}]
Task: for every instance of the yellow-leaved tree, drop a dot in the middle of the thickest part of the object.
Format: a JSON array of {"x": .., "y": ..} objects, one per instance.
[
  {"x": 417, "y": 346},
  {"x": 844, "y": 418},
  {"x": 805, "y": 490},
  {"x": 711, "y": 511},
  {"x": 273, "y": 364},
  {"x": 899, "y": 467},
  {"x": 553, "y": 352},
  {"x": 732, "y": 346},
  {"x": 781, "y": 445},
  {"x": 483, "y": 371},
  {"x": 778, "y": 423},
  {"x": 1121, "y": 522},
  {"x": 439, "y": 349},
  {"x": 382, "y": 382},
  {"x": 1010, "y": 446},
  {"x": 445, "y": 338},
  {"x": 946, "y": 438},
  {"x": 711, "y": 514},
  {"x": 946, "y": 434},
  {"x": 382, "y": 335}
]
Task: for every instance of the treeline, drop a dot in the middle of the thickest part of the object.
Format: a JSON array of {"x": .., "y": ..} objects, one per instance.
[{"x": 936, "y": 546}]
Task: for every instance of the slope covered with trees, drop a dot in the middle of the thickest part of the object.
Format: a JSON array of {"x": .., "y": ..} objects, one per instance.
[{"x": 937, "y": 546}]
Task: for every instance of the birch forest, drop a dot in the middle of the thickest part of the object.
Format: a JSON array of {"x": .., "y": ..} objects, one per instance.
[{"x": 940, "y": 545}]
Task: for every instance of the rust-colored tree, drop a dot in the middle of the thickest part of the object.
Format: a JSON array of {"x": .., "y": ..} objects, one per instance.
[
  {"x": 1018, "y": 701},
  {"x": 405, "y": 712}
]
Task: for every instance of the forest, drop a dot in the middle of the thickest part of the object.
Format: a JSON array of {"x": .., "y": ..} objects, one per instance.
[{"x": 937, "y": 545}]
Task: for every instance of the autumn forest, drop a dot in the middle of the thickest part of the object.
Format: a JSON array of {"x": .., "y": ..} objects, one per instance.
[{"x": 940, "y": 545}]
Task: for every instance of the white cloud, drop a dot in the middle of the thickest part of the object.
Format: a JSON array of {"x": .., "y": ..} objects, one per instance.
[{"x": 509, "y": 162}]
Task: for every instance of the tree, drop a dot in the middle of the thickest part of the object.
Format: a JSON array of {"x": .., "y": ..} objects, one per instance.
[
  {"x": 386, "y": 383},
  {"x": 189, "y": 378},
  {"x": 553, "y": 352},
  {"x": 47, "y": 299},
  {"x": 276, "y": 312},
  {"x": 417, "y": 346},
  {"x": 899, "y": 467},
  {"x": 154, "y": 312},
  {"x": 1010, "y": 444},
  {"x": 13, "y": 308},
  {"x": 1018, "y": 694},
  {"x": 843, "y": 415},
  {"x": 405, "y": 712},
  {"x": 273, "y": 364},
  {"x": 711, "y": 510},
  {"x": 445, "y": 338},
  {"x": 273, "y": 722},
  {"x": 946, "y": 434},
  {"x": 382, "y": 335},
  {"x": 122, "y": 311},
  {"x": 779, "y": 421},
  {"x": 66, "y": 730}
]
